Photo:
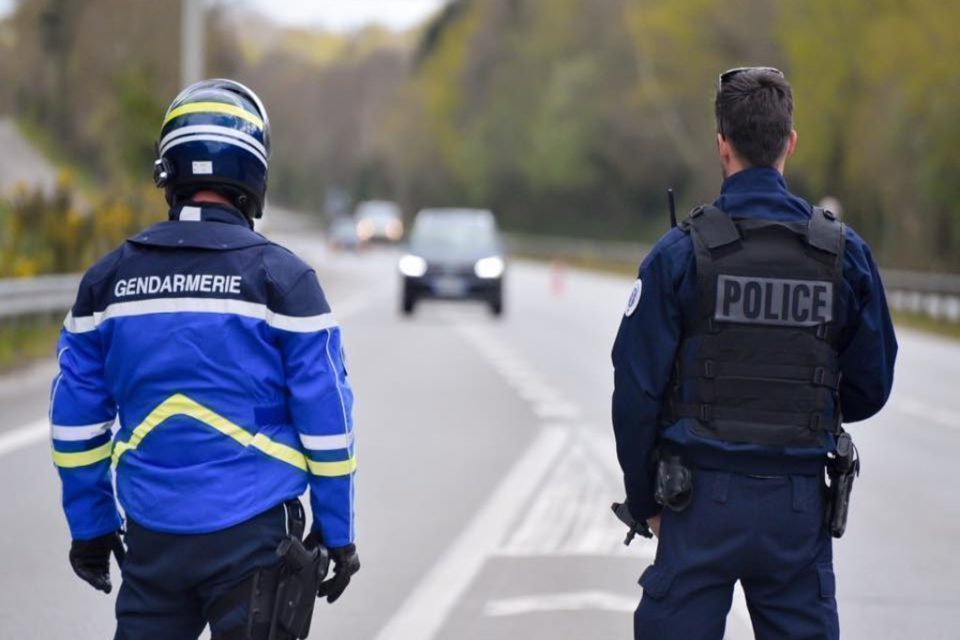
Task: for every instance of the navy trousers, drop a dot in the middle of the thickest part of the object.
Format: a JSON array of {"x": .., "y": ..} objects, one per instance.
[
  {"x": 170, "y": 580},
  {"x": 766, "y": 532}
]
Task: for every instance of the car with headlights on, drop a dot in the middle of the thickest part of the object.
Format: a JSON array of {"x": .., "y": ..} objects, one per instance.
[
  {"x": 342, "y": 235},
  {"x": 379, "y": 221},
  {"x": 453, "y": 254}
]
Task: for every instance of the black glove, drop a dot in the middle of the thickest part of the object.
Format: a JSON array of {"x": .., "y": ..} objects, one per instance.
[
  {"x": 90, "y": 559},
  {"x": 346, "y": 562}
]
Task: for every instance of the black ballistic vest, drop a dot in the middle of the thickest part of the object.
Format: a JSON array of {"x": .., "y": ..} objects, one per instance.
[{"x": 765, "y": 366}]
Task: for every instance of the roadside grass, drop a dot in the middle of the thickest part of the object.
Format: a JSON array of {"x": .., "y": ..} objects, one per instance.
[{"x": 24, "y": 340}]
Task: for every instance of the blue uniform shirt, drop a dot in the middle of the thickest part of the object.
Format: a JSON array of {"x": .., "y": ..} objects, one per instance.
[
  {"x": 216, "y": 353},
  {"x": 650, "y": 337}
]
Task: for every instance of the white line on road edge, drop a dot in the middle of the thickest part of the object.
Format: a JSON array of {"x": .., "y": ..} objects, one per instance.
[
  {"x": 425, "y": 610},
  {"x": 24, "y": 436},
  {"x": 580, "y": 601}
]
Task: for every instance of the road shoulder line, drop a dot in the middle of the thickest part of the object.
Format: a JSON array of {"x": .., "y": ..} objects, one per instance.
[{"x": 24, "y": 436}]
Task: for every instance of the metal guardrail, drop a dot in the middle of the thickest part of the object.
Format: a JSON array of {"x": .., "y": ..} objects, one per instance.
[
  {"x": 34, "y": 296},
  {"x": 935, "y": 295}
]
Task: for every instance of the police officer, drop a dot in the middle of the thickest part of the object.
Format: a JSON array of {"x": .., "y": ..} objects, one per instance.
[
  {"x": 752, "y": 329},
  {"x": 216, "y": 353}
]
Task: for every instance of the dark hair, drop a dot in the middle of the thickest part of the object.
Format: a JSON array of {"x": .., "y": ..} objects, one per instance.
[{"x": 754, "y": 110}]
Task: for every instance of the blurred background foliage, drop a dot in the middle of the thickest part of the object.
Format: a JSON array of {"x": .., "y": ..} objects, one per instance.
[{"x": 567, "y": 117}]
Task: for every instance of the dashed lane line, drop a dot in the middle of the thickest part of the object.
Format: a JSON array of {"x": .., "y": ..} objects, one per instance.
[
  {"x": 426, "y": 609},
  {"x": 552, "y": 602},
  {"x": 568, "y": 515}
]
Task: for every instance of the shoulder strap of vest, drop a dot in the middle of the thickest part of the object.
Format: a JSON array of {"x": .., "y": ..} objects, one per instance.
[
  {"x": 714, "y": 227},
  {"x": 825, "y": 232}
]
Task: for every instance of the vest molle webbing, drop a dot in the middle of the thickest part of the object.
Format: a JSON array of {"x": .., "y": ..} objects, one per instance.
[{"x": 762, "y": 364}]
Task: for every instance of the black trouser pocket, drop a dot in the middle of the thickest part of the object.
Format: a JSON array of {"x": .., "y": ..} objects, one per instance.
[{"x": 656, "y": 581}]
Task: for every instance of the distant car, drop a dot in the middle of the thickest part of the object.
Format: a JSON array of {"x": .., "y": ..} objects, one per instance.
[
  {"x": 453, "y": 254},
  {"x": 379, "y": 221},
  {"x": 343, "y": 234}
]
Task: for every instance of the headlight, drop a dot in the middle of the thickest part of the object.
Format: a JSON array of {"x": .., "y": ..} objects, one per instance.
[
  {"x": 489, "y": 268},
  {"x": 364, "y": 229},
  {"x": 394, "y": 229},
  {"x": 413, "y": 266}
]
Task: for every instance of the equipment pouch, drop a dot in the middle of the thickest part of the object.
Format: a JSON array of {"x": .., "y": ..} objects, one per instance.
[
  {"x": 279, "y": 599},
  {"x": 842, "y": 469},
  {"x": 674, "y": 484},
  {"x": 301, "y": 574}
]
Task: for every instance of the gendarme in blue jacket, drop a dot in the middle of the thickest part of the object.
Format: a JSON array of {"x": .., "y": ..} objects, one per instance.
[
  {"x": 649, "y": 338},
  {"x": 216, "y": 353}
]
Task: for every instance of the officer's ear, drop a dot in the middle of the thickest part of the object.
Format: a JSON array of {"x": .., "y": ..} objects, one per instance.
[
  {"x": 791, "y": 147},
  {"x": 725, "y": 150},
  {"x": 791, "y": 144}
]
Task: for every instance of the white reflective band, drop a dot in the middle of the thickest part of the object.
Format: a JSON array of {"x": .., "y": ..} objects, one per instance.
[
  {"x": 194, "y": 130},
  {"x": 209, "y": 137},
  {"x": 83, "y": 324},
  {"x": 305, "y": 324},
  {"x": 327, "y": 443},
  {"x": 80, "y": 432}
]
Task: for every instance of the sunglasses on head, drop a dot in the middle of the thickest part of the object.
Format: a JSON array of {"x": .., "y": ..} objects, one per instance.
[{"x": 730, "y": 73}]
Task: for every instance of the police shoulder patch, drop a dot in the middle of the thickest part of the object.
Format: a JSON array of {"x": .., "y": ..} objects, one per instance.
[{"x": 634, "y": 298}]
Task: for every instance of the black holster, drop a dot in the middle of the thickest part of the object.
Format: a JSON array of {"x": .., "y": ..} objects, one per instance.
[
  {"x": 674, "y": 484},
  {"x": 279, "y": 599},
  {"x": 841, "y": 470}
]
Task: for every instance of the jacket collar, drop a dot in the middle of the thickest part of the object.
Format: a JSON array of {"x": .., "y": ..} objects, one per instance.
[
  {"x": 207, "y": 212},
  {"x": 201, "y": 226},
  {"x": 761, "y": 192},
  {"x": 755, "y": 179}
]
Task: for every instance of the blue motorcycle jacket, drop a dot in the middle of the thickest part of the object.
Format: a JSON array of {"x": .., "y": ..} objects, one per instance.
[
  {"x": 215, "y": 352},
  {"x": 664, "y": 302}
]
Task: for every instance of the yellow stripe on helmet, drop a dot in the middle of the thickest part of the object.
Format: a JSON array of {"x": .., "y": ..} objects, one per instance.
[{"x": 214, "y": 108}]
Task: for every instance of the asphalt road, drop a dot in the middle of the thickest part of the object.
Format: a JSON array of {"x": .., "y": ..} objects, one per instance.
[
  {"x": 22, "y": 166},
  {"x": 486, "y": 471}
]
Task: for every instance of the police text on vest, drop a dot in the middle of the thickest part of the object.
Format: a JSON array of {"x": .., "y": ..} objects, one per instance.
[{"x": 779, "y": 301}]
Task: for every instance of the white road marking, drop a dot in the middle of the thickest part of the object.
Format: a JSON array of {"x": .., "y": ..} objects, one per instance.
[
  {"x": 547, "y": 402},
  {"x": 24, "y": 436},
  {"x": 738, "y": 610},
  {"x": 579, "y": 601},
  {"x": 570, "y": 515},
  {"x": 421, "y": 616}
]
